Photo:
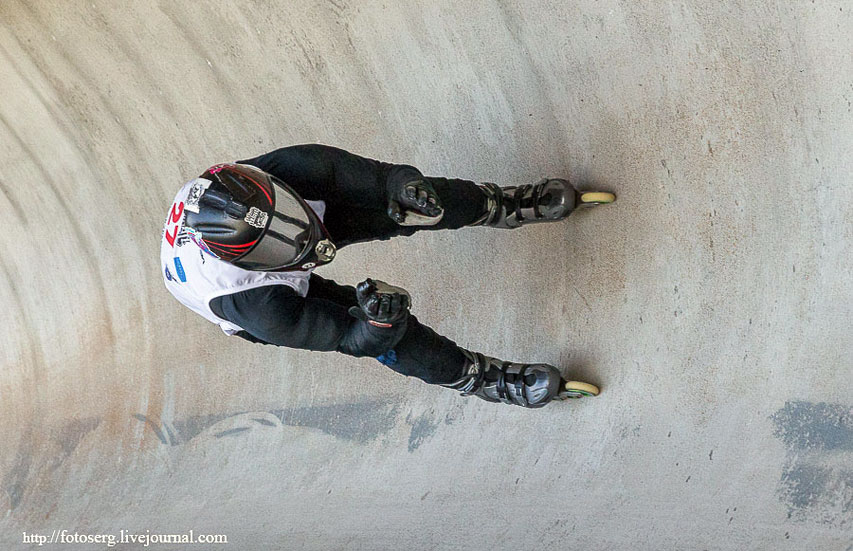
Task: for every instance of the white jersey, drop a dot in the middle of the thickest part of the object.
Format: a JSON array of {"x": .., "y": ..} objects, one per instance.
[{"x": 195, "y": 276}]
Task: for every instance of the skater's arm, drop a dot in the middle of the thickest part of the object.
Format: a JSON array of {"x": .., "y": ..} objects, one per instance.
[
  {"x": 276, "y": 314},
  {"x": 320, "y": 172}
]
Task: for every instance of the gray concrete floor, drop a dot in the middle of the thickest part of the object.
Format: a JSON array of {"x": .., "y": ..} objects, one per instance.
[{"x": 712, "y": 303}]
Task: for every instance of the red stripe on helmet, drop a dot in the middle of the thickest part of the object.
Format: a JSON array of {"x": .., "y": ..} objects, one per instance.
[
  {"x": 226, "y": 245},
  {"x": 269, "y": 199}
]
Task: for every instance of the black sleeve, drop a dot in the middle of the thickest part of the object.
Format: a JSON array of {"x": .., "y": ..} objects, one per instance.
[
  {"x": 276, "y": 314},
  {"x": 321, "y": 172}
]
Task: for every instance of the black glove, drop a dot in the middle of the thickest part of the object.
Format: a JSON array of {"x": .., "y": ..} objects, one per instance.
[
  {"x": 415, "y": 204},
  {"x": 380, "y": 304}
]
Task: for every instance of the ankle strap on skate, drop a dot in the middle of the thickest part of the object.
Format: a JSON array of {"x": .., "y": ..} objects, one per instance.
[
  {"x": 535, "y": 196},
  {"x": 475, "y": 377},
  {"x": 503, "y": 390}
]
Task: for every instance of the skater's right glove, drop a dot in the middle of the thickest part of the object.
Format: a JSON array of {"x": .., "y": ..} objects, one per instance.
[
  {"x": 415, "y": 204},
  {"x": 380, "y": 304}
]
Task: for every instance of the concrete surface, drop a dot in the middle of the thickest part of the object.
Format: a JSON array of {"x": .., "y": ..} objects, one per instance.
[{"x": 712, "y": 302}]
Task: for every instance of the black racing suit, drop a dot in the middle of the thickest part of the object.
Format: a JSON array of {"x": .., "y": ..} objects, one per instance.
[{"x": 356, "y": 192}]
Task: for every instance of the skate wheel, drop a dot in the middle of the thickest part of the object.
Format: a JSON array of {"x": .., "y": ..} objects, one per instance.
[
  {"x": 578, "y": 389},
  {"x": 593, "y": 198}
]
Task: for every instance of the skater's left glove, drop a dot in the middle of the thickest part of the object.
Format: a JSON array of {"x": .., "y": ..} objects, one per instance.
[
  {"x": 380, "y": 304},
  {"x": 415, "y": 204}
]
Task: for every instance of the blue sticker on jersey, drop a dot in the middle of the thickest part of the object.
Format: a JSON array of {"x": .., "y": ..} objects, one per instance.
[
  {"x": 389, "y": 358},
  {"x": 169, "y": 275},
  {"x": 179, "y": 268}
]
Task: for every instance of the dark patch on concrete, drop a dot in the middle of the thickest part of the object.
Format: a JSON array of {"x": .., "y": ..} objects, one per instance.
[
  {"x": 173, "y": 438},
  {"x": 70, "y": 435},
  {"x": 816, "y": 481},
  {"x": 230, "y": 432},
  {"x": 422, "y": 429},
  {"x": 67, "y": 438},
  {"x": 803, "y": 485},
  {"x": 15, "y": 480},
  {"x": 455, "y": 414},
  {"x": 808, "y": 426},
  {"x": 190, "y": 427},
  {"x": 154, "y": 427},
  {"x": 356, "y": 421}
]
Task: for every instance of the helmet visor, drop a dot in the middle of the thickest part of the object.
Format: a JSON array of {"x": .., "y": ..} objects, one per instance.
[{"x": 290, "y": 231}]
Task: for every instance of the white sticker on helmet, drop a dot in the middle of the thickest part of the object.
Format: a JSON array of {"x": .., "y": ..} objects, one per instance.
[
  {"x": 195, "y": 193},
  {"x": 256, "y": 217}
]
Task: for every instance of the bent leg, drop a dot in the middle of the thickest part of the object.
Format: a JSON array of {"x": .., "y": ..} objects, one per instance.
[
  {"x": 424, "y": 354},
  {"x": 463, "y": 201},
  {"x": 434, "y": 359},
  {"x": 420, "y": 353}
]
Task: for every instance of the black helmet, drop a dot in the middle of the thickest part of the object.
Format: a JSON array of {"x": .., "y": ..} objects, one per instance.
[{"x": 255, "y": 221}]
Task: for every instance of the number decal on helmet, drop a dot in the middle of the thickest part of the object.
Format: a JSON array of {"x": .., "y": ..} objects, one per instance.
[{"x": 177, "y": 212}]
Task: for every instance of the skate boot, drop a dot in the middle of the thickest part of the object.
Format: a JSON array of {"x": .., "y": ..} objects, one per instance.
[
  {"x": 548, "y": 200},
  {"x": 526, "y": 385},
  {"x": 493, "y": 380}
]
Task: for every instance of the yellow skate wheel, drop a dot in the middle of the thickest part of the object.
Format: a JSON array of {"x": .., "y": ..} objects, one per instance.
[
  {"x": 597, "y": 198},
  {"x": 577, "y": 389}
]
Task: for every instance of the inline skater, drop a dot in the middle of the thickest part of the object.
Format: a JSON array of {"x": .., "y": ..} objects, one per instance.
[{"x": 241, "y": 242}]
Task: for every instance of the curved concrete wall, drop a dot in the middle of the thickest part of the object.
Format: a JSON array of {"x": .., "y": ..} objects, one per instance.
[{"x": 712, "y": 302}]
